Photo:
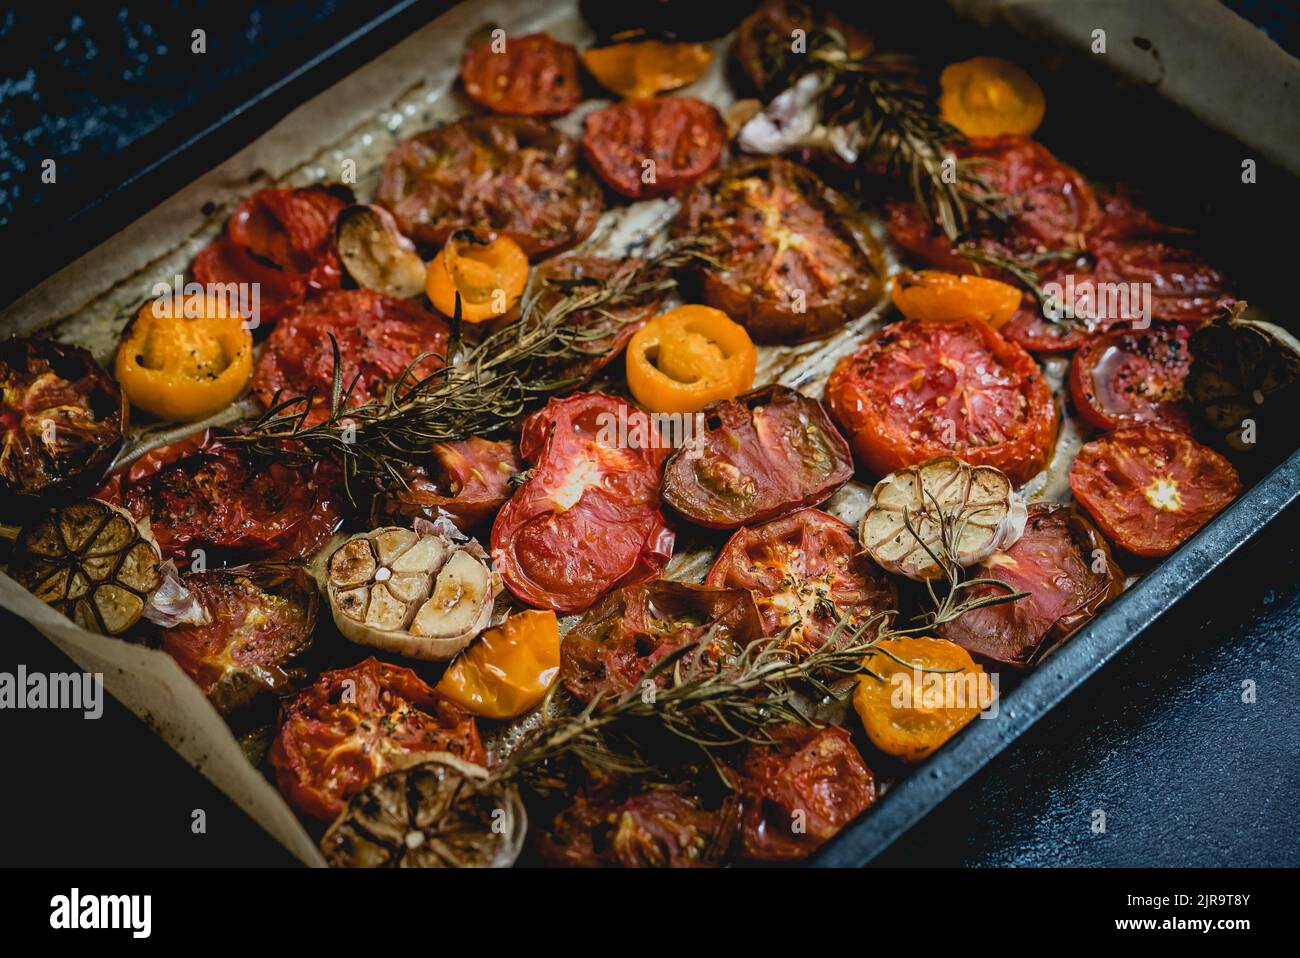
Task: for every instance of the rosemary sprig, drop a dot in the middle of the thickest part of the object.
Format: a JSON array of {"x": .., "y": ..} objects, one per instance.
[
  {"x": 482, "y": 392},
  {"x": 716, "y": 708},
  {"x": 1022, "y": 268}
]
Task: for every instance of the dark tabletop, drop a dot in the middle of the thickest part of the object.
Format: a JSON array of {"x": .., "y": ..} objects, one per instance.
[{"x": 1160, "y": 739}]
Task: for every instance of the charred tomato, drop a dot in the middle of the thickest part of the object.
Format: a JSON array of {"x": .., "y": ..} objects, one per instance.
[
  {"x": 805, "y": 572},
  {"x": 205, "y": 493},
  {"x": 353, "y": 725},
  {"x": 1066, "y": 568},
  {"x": 634, "y": 628},
  {"x": 534, "y": 75},
  {"x": 681, "y": 137},
  {"x": 513, "y": 177},
  {"x": 257, "y": 619},
  {"x": 813, "y": 771},
  {"x": 61, "y": 420},
  {"x": 1126, "y": 377},
  {"x": 282, "y": 240},
  {"x": 761, "y": 455},
  {"x": 588, "y": 518},
  {"x": 919, "y": 389},
  {"x": 467, "y": 480},
  {"x": 1151, "y": 489},
  {"x": 762, "y": 48},
  {"x": 792, "y": 263},
  {"x": 378, "y": 338}
]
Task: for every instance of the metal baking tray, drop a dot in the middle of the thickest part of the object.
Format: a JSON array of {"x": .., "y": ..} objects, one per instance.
[{"x": 406, "y": 89}]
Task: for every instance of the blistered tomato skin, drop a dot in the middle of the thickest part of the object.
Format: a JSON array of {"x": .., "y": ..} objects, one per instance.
[
  {"x": 378, "y": 338},
  {"x": 492, "y": 175},
  {"x": 646, "y": 148},
  {"x": 806, "y": 573},
  {"x": 764, "y": 454},
  {"x": 588, "y": 519},
  {"x": 533, "y": 75},
  {"x": 1151, "y": 489},
  {"x": 355, "y": 724},
  {"x": 1130, "y": 377},
  {"x": 917, "y": 390},
  {"x": 1066, "y": 568}
]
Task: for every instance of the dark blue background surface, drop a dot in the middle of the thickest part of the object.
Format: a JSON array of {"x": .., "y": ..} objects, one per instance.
[{"x": 1159, "y": 739}]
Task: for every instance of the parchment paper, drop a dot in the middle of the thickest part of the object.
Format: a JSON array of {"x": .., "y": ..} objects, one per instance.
[{"x": 405, "y": 90}]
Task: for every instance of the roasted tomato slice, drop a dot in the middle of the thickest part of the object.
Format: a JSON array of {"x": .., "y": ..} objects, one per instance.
[
  {"x": 806, "y": 572},
  {"x": 799, "y": 793},
  {"x": 535, "y": 75},
  {"x": 202, "y": 493},
  {"x": 1045, "y": 204},
  {"x": 656, "y": 828},
  {"x": 918, "y": 390},
  {"x": 588, "y": 519},
  {"x": 576, "y": 273},
  {"x": 1126, "y": 377},
  {"x": 763, "y": 42},
  {"x": 1151, "y": 489},
  {"x": 763, "y": 454},
  {"x": 468, "y": 480},
  {"x": 1067, "y": 569},
  {"x": 512, "y": 177},
  {"x": 282, "y": 240},
  {"x": 680, "y": 136},
  {"x": 257, "y": 619},
  {"x": 355, "y": 724},
  {"x": 378, "y": 337},
  {"x": 61, "y": 420},
  {"x": 634, "y": 628},
  {"x": 792, "y": 261}
]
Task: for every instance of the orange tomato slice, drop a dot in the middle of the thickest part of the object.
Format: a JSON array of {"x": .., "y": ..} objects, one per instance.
[
  {"x": 909, "y": 710},
  {"x": 508, "y": 670},
  {"x": 987, "y": 96},
  {"x": 932, "y": 294},
  {"x": 489, "y": 275},
  {"x": 689, "y": 357},
  {"x": 642, "y": 69}
]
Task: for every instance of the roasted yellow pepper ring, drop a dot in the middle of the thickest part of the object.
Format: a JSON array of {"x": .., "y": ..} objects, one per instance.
[
  {"x": 643, "y": 68},
  {"x": 909, "y": 710},
  {"x": 936, "y": 296},
  {"x": 986, "y": 96},
  {"x": 689, "y": 357},
  {"x": 489, "y": 275},
  {"x": 184, "y": 360},
  {"x": 508, "y": 669}
]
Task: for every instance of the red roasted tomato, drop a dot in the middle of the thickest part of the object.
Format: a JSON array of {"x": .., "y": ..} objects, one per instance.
[
  {"x": 919, "y": 389},
  {"x": 257, "y": 619},
  {"x": 378, "y": 337},
  {"x": 656, "y": 828},
  {"x": 535, "y": 75},
  {"x": 683, "y": 137},
  {"x": 61, "y": 420},
  {"x": 491, "y": 174},
  {"x": 468, "y": 480},
  {"x": 799, "y": 793},
  {"x": 202, "y": 493},
  {"x": 1047, "y": 204},
  {"x": 281, "y": 239},
  {"x": 634, "y": 628},
  {"x": 1126, "y": 377},
  {"x": 1150, "y": 489},
  {"x": 355, "y": 724},
  {"x": 805, "y": 571},
  {"x": 763, "y": 454},
  {"x": 792, "y": 262},
  {"x": 588, "y": 519},
  {"x": 1067, "y": 569}
]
